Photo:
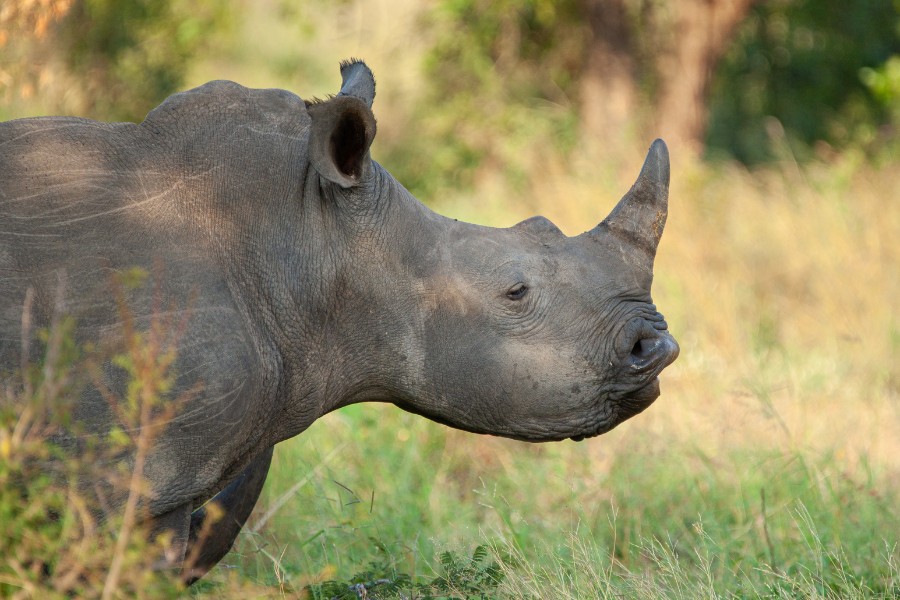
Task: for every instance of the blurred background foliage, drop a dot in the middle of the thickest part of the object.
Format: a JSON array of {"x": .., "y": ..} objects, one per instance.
[
  {"x": 825, "y": 71},
  {"x": 724, "y": 78},
  {"x": 104, "y": 59}
]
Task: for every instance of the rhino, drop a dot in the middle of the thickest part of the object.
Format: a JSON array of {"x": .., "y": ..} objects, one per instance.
[{"x": 312, "y": 280}]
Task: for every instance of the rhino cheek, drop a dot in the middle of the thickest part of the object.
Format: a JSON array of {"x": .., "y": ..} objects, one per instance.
[
  {"x": 534, "y": 384},
  {"x": 571, "y": 386},
  {"x": 536, "y": 392}
]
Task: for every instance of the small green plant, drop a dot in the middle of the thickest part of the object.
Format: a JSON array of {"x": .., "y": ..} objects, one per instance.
[
  {"x": 468, "y": 577},
  {"x": 460, "y": 578}
]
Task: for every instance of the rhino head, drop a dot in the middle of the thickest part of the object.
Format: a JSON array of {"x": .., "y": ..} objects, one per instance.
[{"x": 521, "y": 332}]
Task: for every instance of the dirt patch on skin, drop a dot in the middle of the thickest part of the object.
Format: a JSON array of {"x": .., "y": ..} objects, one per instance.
[{"x": 658, "y": 223}]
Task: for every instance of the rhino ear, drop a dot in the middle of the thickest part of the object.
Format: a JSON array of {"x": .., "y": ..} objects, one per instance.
[
  {"x": 342, "y": 131},
  {"x": 343, "y": 128},
  {"x": 357, "y": 81}
]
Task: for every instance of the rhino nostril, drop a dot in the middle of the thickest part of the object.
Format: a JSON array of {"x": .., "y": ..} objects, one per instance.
[
  {"x": 642, "y": 348},
  {"x": 653, "y": 351}
]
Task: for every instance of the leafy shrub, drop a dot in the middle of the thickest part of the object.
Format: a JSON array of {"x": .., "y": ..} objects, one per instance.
[{"x": 57, "y": 478}]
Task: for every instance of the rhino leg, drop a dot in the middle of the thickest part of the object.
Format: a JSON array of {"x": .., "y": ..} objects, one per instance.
[
  {"x": 174, "y": 523},
  {"x": 236, "y": 501}
]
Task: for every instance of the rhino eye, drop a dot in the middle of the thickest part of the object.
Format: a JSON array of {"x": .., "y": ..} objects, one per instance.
[{"x": 517, "y": 292}]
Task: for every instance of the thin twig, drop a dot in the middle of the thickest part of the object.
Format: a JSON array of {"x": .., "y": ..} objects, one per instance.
[{"x": 129, "y": 518}]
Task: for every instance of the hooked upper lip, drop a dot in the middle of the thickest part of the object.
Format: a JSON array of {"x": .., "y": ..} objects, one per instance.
[{"x": 648, "y": 358}]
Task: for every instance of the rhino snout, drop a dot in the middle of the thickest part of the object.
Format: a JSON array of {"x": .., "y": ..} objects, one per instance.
[{"x": 647, "y": 348}]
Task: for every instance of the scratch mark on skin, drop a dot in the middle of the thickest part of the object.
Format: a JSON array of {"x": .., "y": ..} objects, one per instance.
[
  {"x": 44, "y": 192},
  {"x": 112, "y": 328},
  {"x": 120, "y": 208},
  {"x": 30, "y": 234},
  {"x": 232, "y": 396},
  {"x": 224, "y": 401},
  {"x": 53, "y": 127},
  {"x": 60, "y": 207},
  {"x": 273, "y": 133},
  {"x": 139, "y": 203}
]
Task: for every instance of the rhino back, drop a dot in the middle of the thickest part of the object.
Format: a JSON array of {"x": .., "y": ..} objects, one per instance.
[{"x": 186, "y": 196}]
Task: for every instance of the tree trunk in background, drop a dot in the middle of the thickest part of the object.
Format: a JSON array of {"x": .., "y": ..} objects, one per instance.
[
  {"x": 609, "y": 83},
  {"x": 702, "y": 30},
  {"x": 681, "y": 44}
]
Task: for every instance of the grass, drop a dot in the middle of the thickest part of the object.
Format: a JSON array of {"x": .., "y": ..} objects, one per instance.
[{"x": 747, "y": 520}]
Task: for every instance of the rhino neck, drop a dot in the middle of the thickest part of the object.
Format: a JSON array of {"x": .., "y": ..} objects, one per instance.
[
  {"x": 329, "y": 283},
  {"x": 356, "y": 330},
  {"x": 305, "y": 274}
]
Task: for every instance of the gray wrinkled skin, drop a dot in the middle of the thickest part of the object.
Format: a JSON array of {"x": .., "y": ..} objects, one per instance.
[{"x": 313, "y": 280}]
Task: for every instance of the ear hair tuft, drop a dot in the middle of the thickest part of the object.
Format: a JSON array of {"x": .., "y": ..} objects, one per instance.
[
  {"x": 357, "y": 80},
  {"x": 313, "y": 101},
  {"x": 350, "y": 62}
]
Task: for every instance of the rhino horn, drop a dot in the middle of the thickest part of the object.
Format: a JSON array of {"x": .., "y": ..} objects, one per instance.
[
  {"x": 639, "y": 217},
  {"x": 358, "y": 81}
]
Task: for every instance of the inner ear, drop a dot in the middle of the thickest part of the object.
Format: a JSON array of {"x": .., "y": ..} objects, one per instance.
[
  {"x": 341, "y": 132},
  {"x": 349, "y": 144}
]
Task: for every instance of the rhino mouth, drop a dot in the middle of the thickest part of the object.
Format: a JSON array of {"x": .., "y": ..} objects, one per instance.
[
  {"x": 634, "y": 403},
  {"x": 638, "y": 400}
]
